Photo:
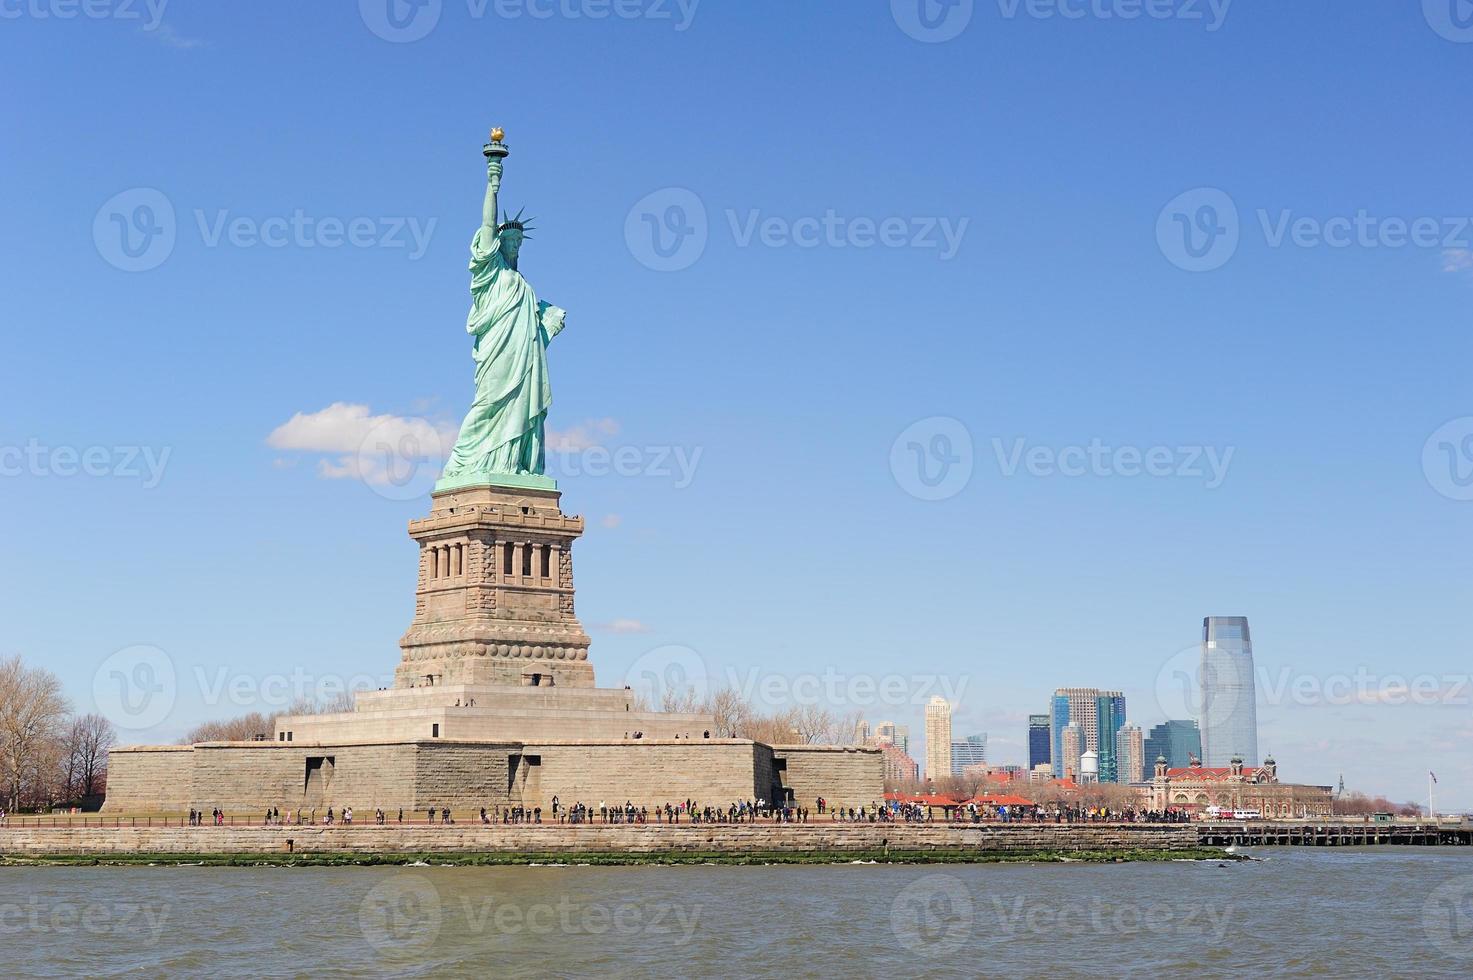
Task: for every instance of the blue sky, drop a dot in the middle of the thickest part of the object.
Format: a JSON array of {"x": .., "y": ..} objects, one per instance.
[{"x": 816, "y": 317}]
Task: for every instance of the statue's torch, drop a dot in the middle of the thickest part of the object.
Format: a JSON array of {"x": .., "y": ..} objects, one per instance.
[{"x": 496, "y": 149}]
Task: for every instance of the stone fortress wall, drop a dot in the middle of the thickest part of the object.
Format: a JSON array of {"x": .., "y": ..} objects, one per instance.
[{"x": 246, "y": 778}]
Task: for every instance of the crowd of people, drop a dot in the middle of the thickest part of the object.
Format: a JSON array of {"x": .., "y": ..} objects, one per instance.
[{"x": 739, "y": 811}]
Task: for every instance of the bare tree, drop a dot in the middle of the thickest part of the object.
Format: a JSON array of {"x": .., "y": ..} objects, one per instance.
[
  {"x": 241, "y": 729},
  {"x": 32, "y": 713},
  {"x": 88, "y": 739},
  {"x": 730, "y": 710}
]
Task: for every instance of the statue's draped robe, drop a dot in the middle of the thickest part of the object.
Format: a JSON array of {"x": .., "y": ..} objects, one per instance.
[{"x": 503, "y": 432}]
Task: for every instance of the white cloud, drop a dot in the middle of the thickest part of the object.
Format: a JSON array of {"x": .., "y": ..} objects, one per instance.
[
  {"x": 583, "y": 436},
  {"x": 169, "y": 37},
  {"x": 612, "y": 521},
  {"x": 623, "y": 626},
  {"x": 1458, "y": 260},
  {"x": 357, "y": 444}
]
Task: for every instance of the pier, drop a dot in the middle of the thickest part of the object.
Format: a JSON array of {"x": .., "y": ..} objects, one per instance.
[{"x": 1266, "y": 833}]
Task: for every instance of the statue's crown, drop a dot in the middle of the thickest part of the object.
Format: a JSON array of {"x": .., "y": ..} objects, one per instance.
[{"x": 518, "y": 223}]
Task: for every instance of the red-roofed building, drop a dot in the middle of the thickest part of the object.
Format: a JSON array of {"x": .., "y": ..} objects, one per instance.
[{"x": 1238, "y": 788}]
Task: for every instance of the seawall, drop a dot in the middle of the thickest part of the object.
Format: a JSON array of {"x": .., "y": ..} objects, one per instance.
[{"x": 514, "y": 843}]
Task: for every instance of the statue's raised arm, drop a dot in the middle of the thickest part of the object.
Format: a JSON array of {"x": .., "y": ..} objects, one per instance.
[{"x": 495, "y": 153}]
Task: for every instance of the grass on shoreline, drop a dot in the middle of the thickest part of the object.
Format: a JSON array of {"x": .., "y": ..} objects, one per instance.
[{"x": 498, "y": 859}]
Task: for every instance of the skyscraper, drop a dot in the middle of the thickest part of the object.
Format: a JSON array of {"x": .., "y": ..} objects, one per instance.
[
  {"x": 1071, "y": 750},
  {"x": 1038, "y": 741},
  {"x": 1229, "y": 711},
  {"x": 1093, "y": 711},
  {"x": 1178, "y": 742},
  {"x": 938, "y": 738},
  {"x": 1130, "y": 755},
  {"x": 972, "y": 752}
]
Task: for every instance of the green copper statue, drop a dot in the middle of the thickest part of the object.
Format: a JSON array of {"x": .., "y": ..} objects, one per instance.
[{"x": 502, "y": 438}]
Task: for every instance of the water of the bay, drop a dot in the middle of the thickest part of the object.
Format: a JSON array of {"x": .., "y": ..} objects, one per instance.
[{"x": 1293, "y": 911}]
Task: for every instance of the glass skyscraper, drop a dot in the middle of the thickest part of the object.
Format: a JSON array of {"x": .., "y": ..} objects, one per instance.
[
  {"x": 1099, "y": 715},
  {"x": 1038, "y": 741},
  {"x": 1179, "y": 742},
  {"x": 1229, "y": 712},
  {"x": 972, "y": 752}
]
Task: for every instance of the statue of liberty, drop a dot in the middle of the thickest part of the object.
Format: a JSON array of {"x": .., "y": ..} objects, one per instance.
[{"x": 503, "y": 434}]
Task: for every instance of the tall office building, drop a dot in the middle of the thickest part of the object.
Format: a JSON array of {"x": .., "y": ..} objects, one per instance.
[
  {"x": 1229, "y": 712},
  {"x": 1130, "y": 755},
  {"x": 1071, "y": 750},
  {"x": 938, "y": 738},
  {"x": 1038, "y": 741},
  {"x": 1178, "y": 742},
  {"x": 1097, "y": 713},
  {"x": 965, "y": 755}
]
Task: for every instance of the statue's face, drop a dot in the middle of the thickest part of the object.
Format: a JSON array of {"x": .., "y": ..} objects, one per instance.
[{"x": 511, "y": 244}]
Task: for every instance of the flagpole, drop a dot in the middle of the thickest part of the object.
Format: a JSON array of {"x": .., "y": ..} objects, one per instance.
[{"x": 1431, "y": 805}]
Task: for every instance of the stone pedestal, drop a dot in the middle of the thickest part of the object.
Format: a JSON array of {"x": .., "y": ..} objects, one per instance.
[{"x": 494, "y": 604}]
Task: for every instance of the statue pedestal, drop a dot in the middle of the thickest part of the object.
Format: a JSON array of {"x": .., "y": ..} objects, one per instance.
[{"x": 494, "y": 602}]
